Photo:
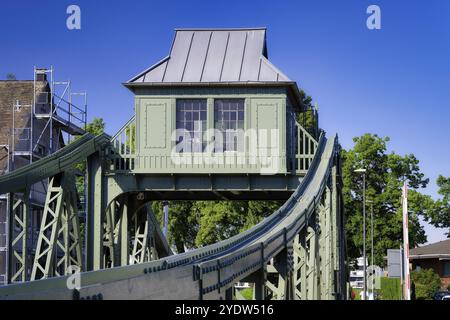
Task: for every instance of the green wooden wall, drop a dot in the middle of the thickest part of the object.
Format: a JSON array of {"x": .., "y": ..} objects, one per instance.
[{"x": 265, "y": 109}]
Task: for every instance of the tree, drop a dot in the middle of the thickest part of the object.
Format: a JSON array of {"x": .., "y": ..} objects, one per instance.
[
  {"x": 183, "y": 223},
  {"x": 308, "y": 117},
  {"x": 384, "y": 179},
  {"x": 95, "y": 127},
  {"x": 199, "y": 223},
  {"x": 11, "y": 76},
  {"x": 427, "y": 282},
  {"x": 438, "y": 213},
  {"x": 220, "y": 220}
]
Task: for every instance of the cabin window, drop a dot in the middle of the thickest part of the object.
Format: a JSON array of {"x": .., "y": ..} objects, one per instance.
[
  {"x": 191, "y": 125},
  {"x": 229, "y": 125}
]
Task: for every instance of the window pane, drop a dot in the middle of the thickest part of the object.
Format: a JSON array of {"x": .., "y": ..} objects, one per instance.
[
  {"x": 229, "y": 116},
  {"x": 447, "y": 268},
  {"x": 189, "y": 116}
]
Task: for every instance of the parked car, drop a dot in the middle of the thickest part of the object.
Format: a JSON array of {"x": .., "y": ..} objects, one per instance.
[
  {"x": 446, "y": 298},
  {"x": 441, "y": 294}
]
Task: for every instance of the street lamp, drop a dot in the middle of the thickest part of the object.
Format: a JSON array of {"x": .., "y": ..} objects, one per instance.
[
  {"x": 371, "y": 246},
  {"x": 363, "y": 172}
]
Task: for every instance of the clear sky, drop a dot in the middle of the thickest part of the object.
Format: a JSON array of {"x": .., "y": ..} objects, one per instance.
[{"x": 393, "y": 81}]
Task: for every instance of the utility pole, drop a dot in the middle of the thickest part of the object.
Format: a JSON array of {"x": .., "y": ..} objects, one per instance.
[
  {"x": 371, "y": 248},
  {"x": 406, "y": 242},
  {"x": 363, "y": 171},
  {"x": 371, "y": 234},
  {"x": 166, "y": 219}
]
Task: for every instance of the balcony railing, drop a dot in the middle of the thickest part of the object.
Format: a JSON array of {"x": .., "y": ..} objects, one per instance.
[
  {"x": 125, "y": 157},
  {"x": 124, "y": 147},
  {"x": 305, "y": 151}
]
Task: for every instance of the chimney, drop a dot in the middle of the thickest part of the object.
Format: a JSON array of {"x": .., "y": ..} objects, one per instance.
[{"x": 41, "y": 75}]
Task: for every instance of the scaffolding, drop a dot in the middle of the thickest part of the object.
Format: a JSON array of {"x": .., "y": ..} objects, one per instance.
[
  {"x": 39, "y": 128},
  {"x": 36, "y": 127}
]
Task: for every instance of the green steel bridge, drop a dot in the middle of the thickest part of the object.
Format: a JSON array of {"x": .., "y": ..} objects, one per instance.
[{"x": 297, "y": 252}]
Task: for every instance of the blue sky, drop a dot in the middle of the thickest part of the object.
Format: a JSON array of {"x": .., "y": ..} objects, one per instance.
[{"x": 393, "y": 81}]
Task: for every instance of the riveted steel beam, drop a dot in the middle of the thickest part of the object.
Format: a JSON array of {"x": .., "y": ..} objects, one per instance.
[
  {"x": 58, "y": 247},
  {"x": 19, "y": 211}
]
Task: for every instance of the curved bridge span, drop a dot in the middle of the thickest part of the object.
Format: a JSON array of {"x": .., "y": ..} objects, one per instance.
[{"x": 295, "y": 253}]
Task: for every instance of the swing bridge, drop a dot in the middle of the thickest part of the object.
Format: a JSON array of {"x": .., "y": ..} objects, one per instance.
[{"x": 296, "y": 252}]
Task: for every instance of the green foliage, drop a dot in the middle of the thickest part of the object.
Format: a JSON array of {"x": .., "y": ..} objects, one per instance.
[
  {"x": 247, "y": 293},
  {"x": 220, "y": 220},
  {"x": 391, "y": 289},
  {"x": 384, "y": 180},
  {"x": 130, "y": 133},
  {"x": 357, "y": 293},
  {"x": 96, "y": 127},
  {"x": 199, "y": 223},
  {"x": 308, "y": 117},
  {"x": 183, "y": 223},
  {"x": 427, "y": 282},
  {"x": 439, "y": 211}
]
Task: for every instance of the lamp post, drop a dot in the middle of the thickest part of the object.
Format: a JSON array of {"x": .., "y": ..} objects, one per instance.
[
  {"x": 166, "y": 219},
  {"x": 371, "y": 246},
  {"x": 363, "y": 172}
]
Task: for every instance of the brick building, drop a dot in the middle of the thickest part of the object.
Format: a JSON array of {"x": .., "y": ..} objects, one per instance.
[
  {"x": 31, "y": 127},
  {"x": 435, "y": 256}
]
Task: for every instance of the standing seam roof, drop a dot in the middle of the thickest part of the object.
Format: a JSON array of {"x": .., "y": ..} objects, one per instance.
[{"x": 214, "y": 55}]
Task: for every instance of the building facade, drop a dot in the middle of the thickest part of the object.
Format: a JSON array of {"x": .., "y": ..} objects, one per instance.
[
  {"x": 434, "y": 256},
  {"x": 217, "y": 104}
]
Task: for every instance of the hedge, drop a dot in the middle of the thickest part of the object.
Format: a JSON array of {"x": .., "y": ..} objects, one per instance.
[{"x": 391, "y": 289}]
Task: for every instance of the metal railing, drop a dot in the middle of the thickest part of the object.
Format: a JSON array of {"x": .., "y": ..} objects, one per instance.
[
  {"x": 305, "y": 151},
  {"x": 125, "y": 158},
  {"x": 124, "y": 147}
]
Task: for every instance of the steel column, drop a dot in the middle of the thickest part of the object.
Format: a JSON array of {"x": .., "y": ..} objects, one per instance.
[
  {"x": 96, "y": 207},
  {"x": 19, "y": 211}
]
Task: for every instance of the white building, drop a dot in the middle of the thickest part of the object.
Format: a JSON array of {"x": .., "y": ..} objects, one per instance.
[{"x": 357, "y": 275}]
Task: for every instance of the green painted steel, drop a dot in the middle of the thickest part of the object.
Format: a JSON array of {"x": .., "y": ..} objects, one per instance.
[
  {"x": 63, "y": 159},
  {"x": 290, "y": 237},
  {"x": 154, "y": 126},
  {"x": 17, "y": 247},
  {"x": 295, "y": 253},
  {"x": 59, "y": 235}
]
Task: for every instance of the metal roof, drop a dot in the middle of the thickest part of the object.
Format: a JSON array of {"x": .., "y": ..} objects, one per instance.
[{"x": 214, "y": 56}]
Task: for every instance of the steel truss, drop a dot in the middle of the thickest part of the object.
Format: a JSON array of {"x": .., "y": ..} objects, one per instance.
[
  {"x": 307, "y": 268},
  {"x": 59, "y": 246},
  {"x": 19, "y": 212},
  {"x": 129, "y": 233}
]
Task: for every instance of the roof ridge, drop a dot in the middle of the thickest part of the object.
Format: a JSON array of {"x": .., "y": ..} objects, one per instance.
[{"x": 220, "y": 29}]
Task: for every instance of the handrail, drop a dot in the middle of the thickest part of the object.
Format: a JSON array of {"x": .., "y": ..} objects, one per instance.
[
  {"x": 53, "y": 164},
  {"x": 305, "y": 149},
  {"x": 121, "y": 130},
  {"x": 124, "y": 145}
]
